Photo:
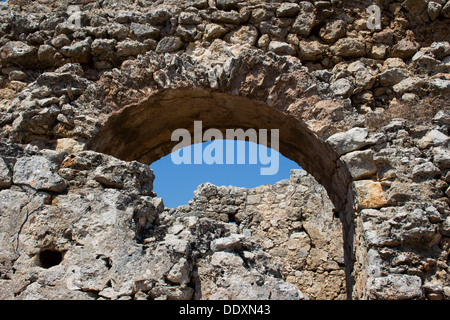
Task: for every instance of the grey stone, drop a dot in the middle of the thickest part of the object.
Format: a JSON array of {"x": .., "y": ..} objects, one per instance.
[
  {"x": 287, "y": 10},
  {"x": 433, "y": 214},
  {"x": 39, "y": 173},
  {"x": 342, "y": 87},
  {"x": 103, "y": 47},
  {"x": 17, "y": 75},
  {"x": 305, "y": 20},
  {"x": 391, "y": 77},
  {"x": 213, "y": 31},
  {"x": 186, "y": 33},
  {"x": 281, "y": 48},
  {"x": 227, "y": 4},
  {"x": 18, "y": 52},
  {"x": 333, "y": 31},
  {"x": 441, "y": 157},
  {"x": 439, "y": 50},
  {"x": 60, "y": 41},
  {"x": 410, "y": 84},
  {"x": 442, "y": 116},
  {"x": 189, "y": 18},
  {"x": 349, "y": 48},
  {"x": 130, "y": 48},
  {"x": 159, "y": 16},
  {"x": 351, "y": 140},
  {"x": 416, "y": 227},
  {"x": 124, "y": 16},
  {"x": 360, "y": 164},
  {"x": 47, "y": 55},
  {"x": 144, "y": 31},
  {"x": 118, "y": 31},
  {"x": 404, "y": 49},
  {"x": 423, "y": 60},
  {"x": 231, "y": 17},
  {"x": 433, "y": 138},
  {"x": 425, "y": 170},
  {"x": 180, "y": 272},
  {"x": 80, "y": 50},
  {"x": 395, "y": 287},
  {"x": 226, "y": 259},
  {"x": 312, "y": 50},
  {"x": 169, "y": 44},
  {"x": 437, "y": 84},
  {"x": 260, "y": 14},
  {"x": 229, "y": 243}
]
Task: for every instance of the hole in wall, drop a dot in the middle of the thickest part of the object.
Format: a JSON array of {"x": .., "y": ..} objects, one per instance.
[{"x": 48, "y": 258}]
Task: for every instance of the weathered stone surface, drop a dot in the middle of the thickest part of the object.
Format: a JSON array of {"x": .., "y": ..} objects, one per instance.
[
  {"x": 425, "y": 169},
  {"x": 370, "y": 194},
  {"x": 412, "y": 227},
  {"x": 229, "y": 243},
  {"x": 47, "y": 55},
  {"x": 288, "y": 10},
  {"x": 80, "y": 50},
  {"x": 349, "y": 48},
  {"x": 396, "y": 287},
  {"x": 39, "y": 173},
  {"x": 434, "y": 138},
  {"x": 18, "y": 52},
  {"x": 360, "y": 164},
  {"x": 305, "y": 20},
  {"x": 392, "y": 76},
  {"x": 213, "y": 31},
  {"x": 143, "y": 31},
  {"x": 312, "y": 50},
  {"x": 342, "y": 87},
  {"x": 351, "y": 140},
  {"x": 130, "y": 48},
  {"x": 245, "y": 35},
  {"x": 169, "y": 44},
  {"x": 281, "y": 48},
  {"x": 442, "y": 157},
  {"x": 333, "y": 31},
  {"x": 103, "y": 47},
  {"x": 411, "y": 84},
  {"x": 133, "y": 72},
  {"x": 404, "y": 49}
]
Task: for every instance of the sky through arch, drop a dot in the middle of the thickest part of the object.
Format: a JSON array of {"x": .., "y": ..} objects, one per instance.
[{"x": 176, "y": 183}]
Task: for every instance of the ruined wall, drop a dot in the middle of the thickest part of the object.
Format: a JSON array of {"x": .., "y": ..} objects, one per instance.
[
  {"x": 287, "y": 229},
  {"x": 365, "y": 111}
]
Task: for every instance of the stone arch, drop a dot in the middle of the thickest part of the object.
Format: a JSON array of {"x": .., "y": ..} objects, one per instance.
[{"x": 255, "y": 90}]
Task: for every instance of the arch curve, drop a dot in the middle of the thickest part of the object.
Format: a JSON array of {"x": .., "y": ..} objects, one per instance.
[{"x": 252, "y": 91}]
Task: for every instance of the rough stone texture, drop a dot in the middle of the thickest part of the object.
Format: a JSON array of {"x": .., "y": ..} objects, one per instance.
[
  {"x": 286, "y": 229},
  {"x": 84, "y": 110}
]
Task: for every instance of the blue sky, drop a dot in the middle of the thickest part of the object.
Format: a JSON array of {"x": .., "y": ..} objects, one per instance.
[{"x": 176, "y": 183}]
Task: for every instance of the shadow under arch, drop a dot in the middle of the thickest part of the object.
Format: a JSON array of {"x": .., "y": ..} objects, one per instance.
[{"x": 143, "y": 131}]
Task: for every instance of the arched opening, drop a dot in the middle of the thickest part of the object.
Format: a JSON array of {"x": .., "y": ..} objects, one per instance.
[{"x": 143, "y": 132}]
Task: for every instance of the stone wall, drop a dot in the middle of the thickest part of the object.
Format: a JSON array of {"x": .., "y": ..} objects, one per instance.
[
  {"x": 364, "y": 111},
  {"x": 287, "y": 229}
]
